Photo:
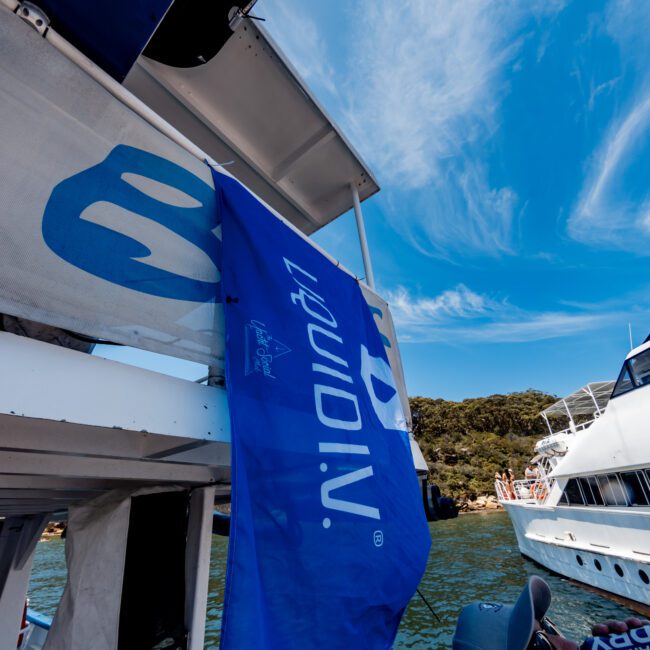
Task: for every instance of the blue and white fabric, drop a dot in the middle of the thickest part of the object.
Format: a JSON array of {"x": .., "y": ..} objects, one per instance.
[{"x": 328, "y": 536}]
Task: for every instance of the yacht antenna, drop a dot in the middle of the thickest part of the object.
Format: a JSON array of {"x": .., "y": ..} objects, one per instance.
[{"x": 629, "y": 327}]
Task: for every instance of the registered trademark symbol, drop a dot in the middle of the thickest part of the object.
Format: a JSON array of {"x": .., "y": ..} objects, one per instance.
[{"x": 378, "y": 538}]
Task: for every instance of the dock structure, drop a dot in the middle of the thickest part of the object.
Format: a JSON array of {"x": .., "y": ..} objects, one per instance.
[{"x": 92, "y": 439}]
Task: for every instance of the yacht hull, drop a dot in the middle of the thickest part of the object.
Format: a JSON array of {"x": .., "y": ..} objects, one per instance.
[{"x": 606, "y": 549}]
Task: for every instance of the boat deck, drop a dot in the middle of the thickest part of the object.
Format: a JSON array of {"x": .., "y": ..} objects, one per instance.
[{"x": 74, "y": 425}]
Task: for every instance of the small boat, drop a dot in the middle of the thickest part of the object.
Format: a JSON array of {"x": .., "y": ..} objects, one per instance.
[
  {"x": 35, "y": 631},
  {"x": 586, "y": 515}
]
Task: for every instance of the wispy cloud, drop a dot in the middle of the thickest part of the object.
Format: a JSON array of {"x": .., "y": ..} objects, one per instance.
[
  {"x": 430, "y": 74},
  {"x": 459, "y": 302},
  {"x": 604, "y": 214},
  {"x": 628, "y": 23},
  {"x": 420, "y": 98},
  {"x": 460, "y": 314},
  {"x": 300, "y": 39},
  {"x": 428, "y": 70},
  {"x": 602, "y": 88}
]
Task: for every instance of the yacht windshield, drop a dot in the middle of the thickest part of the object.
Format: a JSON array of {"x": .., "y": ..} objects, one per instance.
[
  {"x": 623, "y": 383},
  {"x": 635, "y": 373},
  {"x": 640, "y": 368}
]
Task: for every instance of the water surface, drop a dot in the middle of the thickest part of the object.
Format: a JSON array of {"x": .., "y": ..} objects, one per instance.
[{"x": 474, "y": 557}]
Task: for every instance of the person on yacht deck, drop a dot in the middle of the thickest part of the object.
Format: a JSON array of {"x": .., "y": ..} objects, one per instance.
[
  {"x": 503, "y": 482},
  {"x": 501, "y": 488},
  {"x": 531, "y": 472},
  {"x": 511, "y": 483}
]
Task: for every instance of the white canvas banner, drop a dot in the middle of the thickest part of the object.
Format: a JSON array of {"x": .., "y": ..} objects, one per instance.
[{"x": 107, "y": 227}]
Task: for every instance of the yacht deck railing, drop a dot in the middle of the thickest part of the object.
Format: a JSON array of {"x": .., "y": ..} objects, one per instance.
[
  {"x": 576, "y": 428},
  {"x": 530, "y": 490}
]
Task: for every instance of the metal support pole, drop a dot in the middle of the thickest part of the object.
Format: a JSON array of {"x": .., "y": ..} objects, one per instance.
[
  {"x": 216, "y": 377},
  {"x": 572, "y": 424},
  {"x": 217, "y": 373},
  {"x": 197, "y": 565},
  {"x": 593, "y": 399},
  {"x": 370, "y": 278},
  {"x": 629, "y": 327}
]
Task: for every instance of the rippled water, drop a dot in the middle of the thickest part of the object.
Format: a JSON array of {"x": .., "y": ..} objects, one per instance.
[
  {"x": 475, "y": 557},
  {"x": 472, "y": 558}
]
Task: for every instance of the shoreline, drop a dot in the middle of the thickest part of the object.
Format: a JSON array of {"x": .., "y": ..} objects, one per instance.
[
  {"x": 56, "y": 530},
  {"x": 482, "y": 511},
  {"x": 482, "y": 503}
]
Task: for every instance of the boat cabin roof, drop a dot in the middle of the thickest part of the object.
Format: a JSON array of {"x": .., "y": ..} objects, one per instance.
[
  {"x": 248, "y": 107},
  {"x": 585, "y": 401},
  {"x": 641, "y": 348},
  {"x": 217, "y": 76}
]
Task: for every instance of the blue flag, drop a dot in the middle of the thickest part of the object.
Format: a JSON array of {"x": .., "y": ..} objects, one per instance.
[{"x": 328, "y": 538}]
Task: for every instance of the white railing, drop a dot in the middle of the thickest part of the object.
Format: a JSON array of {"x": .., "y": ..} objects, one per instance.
[
  {"x": 501, "y": 488},
  {"x": 535, "y": 490},
  {"x": 576, "y": 429}
]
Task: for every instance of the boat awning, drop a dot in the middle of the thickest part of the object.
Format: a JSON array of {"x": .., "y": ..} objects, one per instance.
[
  {"x": 585, "y": 401},
  {"x": 247, "y": 107}
]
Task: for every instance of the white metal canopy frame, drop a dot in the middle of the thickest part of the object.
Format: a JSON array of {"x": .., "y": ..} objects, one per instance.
[{"x": 589, "y": 400}]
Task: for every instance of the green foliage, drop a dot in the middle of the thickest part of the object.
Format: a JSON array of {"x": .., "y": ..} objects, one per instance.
[{"x": 466, "y": 442}]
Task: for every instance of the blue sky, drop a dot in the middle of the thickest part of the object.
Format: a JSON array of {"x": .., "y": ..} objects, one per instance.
[{"x": 511, "y": 141}]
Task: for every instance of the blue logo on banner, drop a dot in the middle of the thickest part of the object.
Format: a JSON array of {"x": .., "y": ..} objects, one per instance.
[
  {"x": 262, "y": 349},
  {"x": 117, "y": 184},
  {"x": 328, "y": 538}
]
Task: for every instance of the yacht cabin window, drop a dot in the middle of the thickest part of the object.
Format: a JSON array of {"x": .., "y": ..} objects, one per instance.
[
  {"x": 590, "y": 491},
  {"x": 635, "y": 488},
  {"x": 574, "y": 494},
  {"x": 595, "y": 490},
  {"x": 635, "y": 373},
  {"x": 640, "y": 368},
  {"x": 620, "y": 489},
  {"x": 612, "y": 490},
  {"x": 623, "y": 383},
  {"x": 647, "y": 480}
]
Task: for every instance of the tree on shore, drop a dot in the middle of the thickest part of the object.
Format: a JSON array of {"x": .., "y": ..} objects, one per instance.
[{"x": 465, "y": 442}]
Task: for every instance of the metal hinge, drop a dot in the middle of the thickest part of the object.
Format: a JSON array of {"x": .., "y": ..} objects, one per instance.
[
  {"x": 34, "y": 15},
  {"x": 237, "y": 14}
]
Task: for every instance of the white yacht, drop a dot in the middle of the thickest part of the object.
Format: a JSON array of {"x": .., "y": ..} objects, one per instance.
[{"x": 587, "y": 515}]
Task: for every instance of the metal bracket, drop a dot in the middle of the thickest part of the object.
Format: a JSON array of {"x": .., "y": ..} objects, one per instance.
[
  {"x": 237, "y": 14},
  {"x": 35, "y": 16}
]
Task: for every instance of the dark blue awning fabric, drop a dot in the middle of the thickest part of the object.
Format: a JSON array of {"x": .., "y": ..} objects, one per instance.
[
  {"x": 328, "y": 536},
  {"x": 111, "y": 33}
]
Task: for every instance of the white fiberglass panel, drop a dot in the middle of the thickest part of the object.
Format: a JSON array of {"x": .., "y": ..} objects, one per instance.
[
  {"x": 107, "y": 227},
  {"x": 617, "y": 440}
]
